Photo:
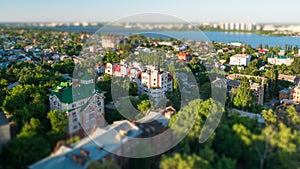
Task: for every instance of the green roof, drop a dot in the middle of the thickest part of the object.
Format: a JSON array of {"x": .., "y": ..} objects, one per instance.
[
  {"x": 62, "y": 85},
  {"x": 279, "y": 57},
  {"x": 70, "y": 94}
]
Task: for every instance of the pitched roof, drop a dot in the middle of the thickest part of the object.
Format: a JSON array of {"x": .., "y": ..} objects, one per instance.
[
  {"x": 111, "y": 138},
  {"x": 280, "y": 57},
  {"x": 69, "y": 93}
]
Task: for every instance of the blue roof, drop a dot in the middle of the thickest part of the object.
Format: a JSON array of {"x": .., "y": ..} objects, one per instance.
[
  {"x": 107, "y": 137},
  {"x": 286, "y": 90},
  {"x": 3, "y": 119},
  {"x": 4, "y": 64}
]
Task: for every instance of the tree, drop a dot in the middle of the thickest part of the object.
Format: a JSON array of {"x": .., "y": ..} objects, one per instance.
[
  {"x": 3, "y": 90},
  {"x": 23, "y": 151},
  {"x": 295, "y": 65},
  {"x": 133, "y": 89},
  {"x": 235, "y": 69},
  {"x": 64, "y": 67},
  {"x": 243, "y": 98},
  {"x": 261, "y": 143},
  {"x": 205, "y": 90},
  {"x": 31, "y": 129},
  {"x": 15, "y": 99},
  {"x": 293, "y": 116},
  {"x": 178, "y": 161},
  {"x": 272, "y": 76},
  {"x": 58, "y": 121},
  {"x": 226, "y": 163},
  {"x": 144, "y": 106},
  {"x": 105, "y": 84},
  {"x": 269, "y": 116},
  {"x": 296, "y": 49},
  {"x": 287, "y": 143}
]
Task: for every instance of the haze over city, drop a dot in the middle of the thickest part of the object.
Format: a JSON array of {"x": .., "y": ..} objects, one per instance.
[{"x": 267, "y": 11}]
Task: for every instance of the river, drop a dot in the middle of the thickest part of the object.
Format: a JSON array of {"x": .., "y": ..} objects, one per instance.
[{"x": 253, "y": 39}]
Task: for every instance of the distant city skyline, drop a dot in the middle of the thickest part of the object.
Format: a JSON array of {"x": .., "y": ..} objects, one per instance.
[{"x": 266, "y": 11}]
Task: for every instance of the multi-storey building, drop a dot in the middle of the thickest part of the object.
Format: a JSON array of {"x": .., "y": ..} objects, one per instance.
[
  {"x": 240, "y": 59},
  {"x": 229, "y": 83},
  {"x": 285, "y": 94},
  {"x": 111, "y": 142},
  {"x": 150, "y": 80},
  {"x": 295, "y": 94},
  {"x": 279, "y": 60},
  {"x": 111, "y": 41},
  {"x": 4, "y": 130},
  {"x": 83, "y": 102}
]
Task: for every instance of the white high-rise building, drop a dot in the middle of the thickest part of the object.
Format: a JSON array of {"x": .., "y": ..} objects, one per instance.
[
  {"x": 243, "y": 26},
  {"x": 226, "y": 26},
  {"x": 150, "y": 81},
  {"x": 231, "y": 26},
  {"x": 237, "y": 26}
]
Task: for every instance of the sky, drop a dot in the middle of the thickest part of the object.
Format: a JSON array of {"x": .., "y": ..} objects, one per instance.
[{"x": 259, "y": 11}]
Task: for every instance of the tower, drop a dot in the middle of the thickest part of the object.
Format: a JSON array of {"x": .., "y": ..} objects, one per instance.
[{"x": 244, "y": 49}]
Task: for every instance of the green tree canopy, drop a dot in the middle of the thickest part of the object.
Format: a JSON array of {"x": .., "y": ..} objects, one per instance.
[{"x": 243, "y": 98}]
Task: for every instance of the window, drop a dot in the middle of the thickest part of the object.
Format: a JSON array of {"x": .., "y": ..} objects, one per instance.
[
  {"x": 74, "y": 115},
  {"x": 92, "y": 116}
]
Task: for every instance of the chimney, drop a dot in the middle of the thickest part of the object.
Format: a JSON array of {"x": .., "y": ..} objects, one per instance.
[
  {"x": 58, "y": 145},
  {"x": 78, "y": 159},
  {"x": 85, "y": 153}
]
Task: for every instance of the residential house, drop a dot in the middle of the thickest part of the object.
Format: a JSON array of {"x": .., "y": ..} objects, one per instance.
[
  {"x": 5, "y": 135},
  {"x": 108, "y": 143},
  {"x": 295, "y": 94},
  {"x": 284, "y": 94},
  {"x": 151, "y": 80},
  {"x": 240, "y": 59},
  {"x": 279, "y": 60},
  {"x": 256, "y": 88},
  {"x": 183, "y": 56},
  {"x": 290, "y": 78},
  {"x": 111, "y": 41},
  {"x": 97, "y": 147},
  {"x": 83, "y": 102}
]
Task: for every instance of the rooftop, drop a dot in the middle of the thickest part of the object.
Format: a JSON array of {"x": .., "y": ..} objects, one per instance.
[
  {"x": 241, "y": 56},
  {"x": 79, "y": 155},
  {"x": 68, "y": 93},
  {"x": 286, "y": 90},
  {"x": 280, "y": 57}
]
